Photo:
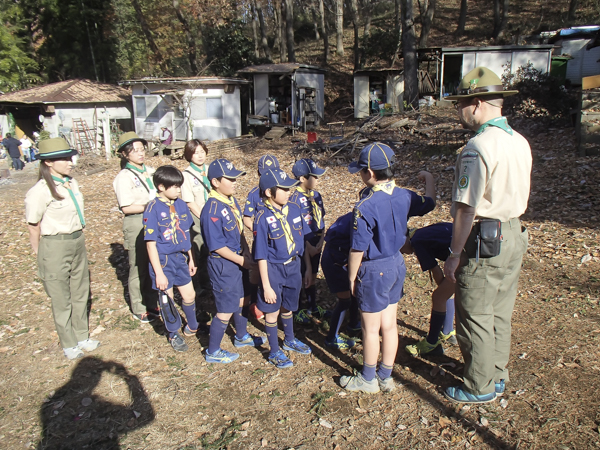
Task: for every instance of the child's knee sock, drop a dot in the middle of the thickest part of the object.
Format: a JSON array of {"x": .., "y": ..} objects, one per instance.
[
  {"x": 384, "y": 371},
  {"x": 288, "y": 326},
  {"x": 190, "y": 315},
  {"x": 217, "y": 331},
  {"x": 353, "y": 312},
  {"x": 311, "y": 297},
  {"x": 449, "y": 321},
  {"x": 435, "y": 326},
  {"x": 271, "y": 330},
  {"x": 240, "y": 322},
  {"x": 368, "y": 372},
  {"x": 337, "y": 317}
]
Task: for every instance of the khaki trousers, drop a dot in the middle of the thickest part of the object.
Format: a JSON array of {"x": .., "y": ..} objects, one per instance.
[
  {"x": 63, "y": 269},
  {"x": 485, "y": 298},
  {"x": 141, "y": 295},
  {"x": 201, "y": 279}
]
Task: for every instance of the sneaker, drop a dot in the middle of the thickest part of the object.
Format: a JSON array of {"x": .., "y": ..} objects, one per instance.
[
  {"x": 500, "y": 387},
  {"x": 221, "y": 356},
  {"x": 249, "y": 340},
  {"x": 357, "y": 383},
  {"x": 144, "y": 317},
  {"x": 302, "y": 317},
  {"x": 279, "y": 360},
  {"x": 387, "y": 384},
  {"x": 88, "y": 345},
  {"x": 187, "y": 331},
  {"x": 425, "y": 348},
  {"x": 178, "y": 343},
  {"x": 296, "y": 346},
  {"x": 257, "y": 313},
  {"x": 340, "y": 343},
  {"x": 457, "y": 394},
  {"x": 320, "y": 313},
  {"x": 450, "y": 338},
  {"x": 73, "y": 352},
  {"x": 354, "y": 330}
]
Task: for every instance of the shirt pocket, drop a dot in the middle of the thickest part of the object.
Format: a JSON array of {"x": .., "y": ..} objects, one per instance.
[
  {"x": 275, "y": 233},
  {"x": 297, "y": 223},
  {"x": 229, "y": 226}
]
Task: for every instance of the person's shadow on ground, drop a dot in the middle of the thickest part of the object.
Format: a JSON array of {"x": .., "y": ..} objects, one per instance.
[{"x": 77, "y": 418}]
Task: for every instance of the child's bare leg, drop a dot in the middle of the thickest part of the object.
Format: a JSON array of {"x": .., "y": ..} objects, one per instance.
[
  {"x": 389, "y": 334},
  {"x": 371, "y": 324}
]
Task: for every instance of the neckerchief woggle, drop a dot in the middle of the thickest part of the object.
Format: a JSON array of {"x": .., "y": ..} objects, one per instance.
[
  {"x": 317, "y": 212},
  {"x": 143, "y": 172},
  {"x": 72, "y": 195},
  {"x": 499, "y": 122},
  {"x": 287, "y": 231},
  {"x": 205, "y": 181},
  {"x": 173, "y": 216},
  {"x": 229, "y": 201},
  {"x": 387, "y": 187}
]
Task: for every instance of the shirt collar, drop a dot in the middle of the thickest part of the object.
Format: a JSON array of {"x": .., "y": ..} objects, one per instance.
[{"x": 499, "y": 122}]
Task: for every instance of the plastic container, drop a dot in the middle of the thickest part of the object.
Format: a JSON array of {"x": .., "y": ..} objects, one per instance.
[
  {"x": 311, "y": 137},
  {"x": 275, "y": 118}
]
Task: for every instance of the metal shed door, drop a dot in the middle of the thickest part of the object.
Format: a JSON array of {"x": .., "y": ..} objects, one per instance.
[{"x": 361, "y": 96}]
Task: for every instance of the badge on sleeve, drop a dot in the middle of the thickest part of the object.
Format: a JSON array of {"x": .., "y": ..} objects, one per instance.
[
  {"x": 271, "y": 219},
  {"x": 463, "y": 182},
  {"x": 357, "y": 215}
]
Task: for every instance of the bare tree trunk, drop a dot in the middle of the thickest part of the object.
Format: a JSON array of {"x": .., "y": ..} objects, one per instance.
[
  {"x": 313, "y": 12},
  {"x": 254, "y": 31},
  {"x": 339, "y": 27},
  {"x": 409, "y": 50},
  {"x": 324, "y": 31},
  {"x": 462, "y": 18},
  {"x": 367, "y": 9},
  {"x": 146, "y": 30},
  {"x": 263, "y": 29},
  {"x": 289, "y": 28},
  {"x": 355, "y": 24},
  {"x": 572, "y": 9},
  {"x": 426, "y": 21},
  {"x": 279, "y": 6},
  {"x": 189, "y": 36},
  {"x": 500, "y": 21},
  {"x": 398, "y": 25}
]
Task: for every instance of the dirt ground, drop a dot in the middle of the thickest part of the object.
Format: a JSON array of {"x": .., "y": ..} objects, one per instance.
[{"x": 135, "y": 392}]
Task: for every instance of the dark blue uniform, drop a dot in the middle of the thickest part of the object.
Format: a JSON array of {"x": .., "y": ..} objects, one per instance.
[
  {"x": 252, "y": 202},
  {"x": 335, "y": 254},
  {"x": 432, "y": 243},
  {"x": 168, "y": 223}
]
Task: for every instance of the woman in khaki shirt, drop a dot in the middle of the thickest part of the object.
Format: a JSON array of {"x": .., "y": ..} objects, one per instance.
[
  {"x": 54, "y": 213},
  {"x": 134, "y": 188},
  {"x": 194, "y": 192}
]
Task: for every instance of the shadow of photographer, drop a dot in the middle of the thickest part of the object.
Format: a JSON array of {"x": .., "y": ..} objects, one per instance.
[{"x": 76, "y": 417}]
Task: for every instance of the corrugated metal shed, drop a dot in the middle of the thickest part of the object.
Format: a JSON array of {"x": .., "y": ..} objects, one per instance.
[
  {"x": 280, "y": 68},
  {"x": 189, "y": 81},
  {"x": 71, "y": 91}
]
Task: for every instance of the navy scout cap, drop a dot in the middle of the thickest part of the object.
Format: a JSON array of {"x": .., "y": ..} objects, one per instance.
[
  {"x": 267, "y": 162},
  {"x": 374, "y": 156},
  {"x": 305, "y": 167},
  {"x": 223, "y": 168},
  {"x": 275, "y": 178}
]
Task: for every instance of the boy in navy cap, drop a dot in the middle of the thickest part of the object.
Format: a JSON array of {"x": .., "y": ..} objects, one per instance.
[
  {"x": 264, "y": 162},
  {"x": 278, "y": 245},
  {"x": 311, "y": 204},
  {"x": 430, "y": 244},
  {"x": 376, "y": 268},
  {"x": 167, "y": 222},
  {"x": 228, "y": 262}
]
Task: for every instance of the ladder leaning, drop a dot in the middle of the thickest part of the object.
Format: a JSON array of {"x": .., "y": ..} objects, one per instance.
[{"x": 83, "y": 137}]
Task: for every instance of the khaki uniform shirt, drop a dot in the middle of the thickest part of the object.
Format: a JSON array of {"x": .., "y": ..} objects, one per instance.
[
  {"x": 492, "y": 174},
  {"x": 131, "y": 188},
  {"x": 54, "y": 216},
  {"x": 192, "y": 189}
]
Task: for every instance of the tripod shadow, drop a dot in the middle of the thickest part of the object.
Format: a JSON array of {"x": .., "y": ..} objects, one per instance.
[{"x": 76, "y": 417}]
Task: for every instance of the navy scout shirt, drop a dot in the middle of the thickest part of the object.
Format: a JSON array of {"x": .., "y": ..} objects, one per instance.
[
  {"x": 252, "y": 202},
  {"x": 168, "y": 222},
  {"x": 307, "y": 208},
  {"x": 219, "y": 227},
  {"x": 432, "y": 243}
]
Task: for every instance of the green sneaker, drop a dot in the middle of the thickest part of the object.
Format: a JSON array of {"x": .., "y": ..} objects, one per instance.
[
  {"x": 425, "y": 348},
  {"x": 450, "y": 338},
  {"x": 302, "y": 317},
  {"x": 357, "y": 383}
]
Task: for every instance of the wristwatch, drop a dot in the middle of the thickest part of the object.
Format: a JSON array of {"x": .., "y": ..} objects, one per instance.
[{"x": 454, "y": 254}]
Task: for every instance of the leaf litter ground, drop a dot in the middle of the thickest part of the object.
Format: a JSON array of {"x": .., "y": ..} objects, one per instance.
[{"x": 135, "y": 392}]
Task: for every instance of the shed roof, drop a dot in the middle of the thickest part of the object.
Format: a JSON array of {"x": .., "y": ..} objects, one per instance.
[
  {"x": 280, "y": 68},
  {"x": 191, "y": 81},
  {"x": 70, "y": 91}
]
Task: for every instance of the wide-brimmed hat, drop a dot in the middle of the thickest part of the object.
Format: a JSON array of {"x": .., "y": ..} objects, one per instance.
[
  {"x": 479, "y": 82},
  {"x": 276, "y": 178},
  {"x": 128, "y": 138},
  {"x": 305, "y": 167},
  {"x": 55, "y": 148},
  {"x": 223, "y": 168},
  {"x": 374, "y": 156}
]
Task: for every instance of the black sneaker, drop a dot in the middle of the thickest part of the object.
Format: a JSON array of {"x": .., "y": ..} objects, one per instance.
[{"x": 178, "y": 343}]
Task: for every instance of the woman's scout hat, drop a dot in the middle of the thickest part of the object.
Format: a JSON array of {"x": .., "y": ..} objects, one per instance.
[
  {"x": 128, "y": 138},
  {"x": 479, "y": 82},
  {"x": 55, "y": 148}
]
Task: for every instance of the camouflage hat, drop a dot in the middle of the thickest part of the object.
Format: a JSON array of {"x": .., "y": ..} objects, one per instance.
[
  {"x": 479, "y": 82},
  {"x": 129, "y": 137},
  {"x": 55, "y": 148}
]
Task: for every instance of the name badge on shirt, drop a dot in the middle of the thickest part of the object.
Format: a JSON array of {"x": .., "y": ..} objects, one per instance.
[{"x": 297, "y": 219}]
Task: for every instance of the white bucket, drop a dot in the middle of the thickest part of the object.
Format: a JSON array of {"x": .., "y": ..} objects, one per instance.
[{"x": 275, "y": 118}]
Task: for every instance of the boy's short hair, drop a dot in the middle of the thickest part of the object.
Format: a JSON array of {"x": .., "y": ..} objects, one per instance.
[
  {"x": 168, "y": 176},
  {"x": 190, "y": 148},
  {"x": 272, "y": 191},
  {"x": 382, "y": 174}
]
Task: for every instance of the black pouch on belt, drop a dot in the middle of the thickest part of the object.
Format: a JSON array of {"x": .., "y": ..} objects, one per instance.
[{"x": 489, "y": 238}]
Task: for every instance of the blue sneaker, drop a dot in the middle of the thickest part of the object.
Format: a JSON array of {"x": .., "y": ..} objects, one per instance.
[
  {"x": 279, "y": 360},
  {"x": 500, "y": 387},
  {"x": 302, "y": 317},
  {"x": 249, "y": 340},
  {"x": 340, "y": 343},
  {"x": 296, "y": 346},
  {"x": 221, "y": 356},
  {"x": 321, "y": 313},
  {"x": 457, "y": 394}
]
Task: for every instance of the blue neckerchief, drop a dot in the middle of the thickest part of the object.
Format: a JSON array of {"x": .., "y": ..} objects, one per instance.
[{"x": 499, "y": 122}]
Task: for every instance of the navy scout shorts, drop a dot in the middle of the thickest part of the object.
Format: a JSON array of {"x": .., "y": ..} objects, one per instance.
[
  {"x": 336, "y": 275},
  {"x": 229, "y": 282},
  {"x": 286, "y": 281},
  {"x": 176, "y": 269},
  {"x": 379, "y": 283}
]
